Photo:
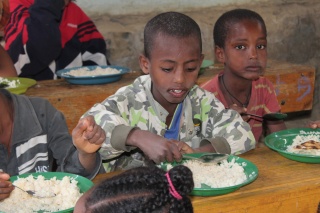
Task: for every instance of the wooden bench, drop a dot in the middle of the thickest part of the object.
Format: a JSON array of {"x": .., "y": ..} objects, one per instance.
[{"x": 294, "y": 85}]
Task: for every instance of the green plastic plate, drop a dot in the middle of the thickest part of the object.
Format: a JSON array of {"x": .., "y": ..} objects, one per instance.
[
  {"x": 21, "y": 88},
  {"x": 83, "y": 183},
  {"x": 204, "y": 65},
  {"x": 250, "y": 170},
  {"x": 279, "y": 141}
]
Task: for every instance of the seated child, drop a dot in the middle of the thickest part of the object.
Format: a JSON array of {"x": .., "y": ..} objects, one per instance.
[
  {"x": 34, "y": 137},
  {"x": 143, "y": 189},
  {"x": 240, "y": 38},
  {"x": 162, "y": 112}
]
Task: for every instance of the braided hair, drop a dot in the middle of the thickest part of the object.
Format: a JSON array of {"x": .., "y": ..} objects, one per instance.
[
  {"x": 143, "y": 189},
  {"x": 225, "y": 22},
  {"x": 170, "y": 24}
]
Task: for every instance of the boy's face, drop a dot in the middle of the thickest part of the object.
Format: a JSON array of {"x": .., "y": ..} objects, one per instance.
[
  {"x": 173, "y": 66},
  {"x": 245, "y": 50}
]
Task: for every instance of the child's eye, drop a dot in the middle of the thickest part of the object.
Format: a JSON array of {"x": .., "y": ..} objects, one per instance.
[
  {"x": 240, "y": 47},
  {"x": 262, "y": 46},
  {"x": 166, "y": 69},
  {"x": 191, "y": 69}
]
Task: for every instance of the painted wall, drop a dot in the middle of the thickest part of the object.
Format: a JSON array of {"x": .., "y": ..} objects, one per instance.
[{"x": 116, "y": 7}]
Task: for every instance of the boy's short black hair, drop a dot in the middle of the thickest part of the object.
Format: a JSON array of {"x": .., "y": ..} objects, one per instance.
[
  {"x": 224, "y": 22},
  {"x": 170, "y": 24}
]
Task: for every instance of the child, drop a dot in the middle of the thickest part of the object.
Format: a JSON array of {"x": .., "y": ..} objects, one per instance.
[
  {"x": 143, "y": 189},
  {"x": 164, "y": 112},
  {"x": 240, "y": 38},
  {"x": 43, "y": 36},
  {"x": 34, "y": 137}
]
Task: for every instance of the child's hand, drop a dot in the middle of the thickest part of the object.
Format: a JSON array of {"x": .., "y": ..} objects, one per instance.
[
  {"x": 155, "y": 147},
  {"x": 88, "y": 136},
  {"x": 314, "y": 124},
  {"x": 6, "y": 186},
  {"x": 241, "y": 111},
  {"x": 184, "y": 148}
]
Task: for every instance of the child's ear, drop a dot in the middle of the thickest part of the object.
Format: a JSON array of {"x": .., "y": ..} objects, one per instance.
[
  {"x": 219, "y": 53},
  {"x": 144, "y": 64}
]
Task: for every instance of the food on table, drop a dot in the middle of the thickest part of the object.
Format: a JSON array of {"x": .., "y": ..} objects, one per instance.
[
  {"x": 66, "y": 190},
  {"x": 306, "y": 144},
  {"x": 85, "y": 71},
  {"x": 311, "y": 144},
  {"x": 5, "y": 83},
  {"x": 222, "y": 175}
]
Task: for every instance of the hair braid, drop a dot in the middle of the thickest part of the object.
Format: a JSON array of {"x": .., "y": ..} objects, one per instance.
[{"x": 143, "y": 189}]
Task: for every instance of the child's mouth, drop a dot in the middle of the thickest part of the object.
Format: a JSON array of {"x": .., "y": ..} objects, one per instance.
[
  {"x": 176, "y": 90},
  {"x": 178, "y": 93}
]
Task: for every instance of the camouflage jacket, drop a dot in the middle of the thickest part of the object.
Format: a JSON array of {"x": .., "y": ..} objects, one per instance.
[{"x": 133, "y": 106}]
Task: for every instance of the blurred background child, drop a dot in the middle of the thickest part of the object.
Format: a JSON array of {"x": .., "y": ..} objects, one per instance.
[{"x": 43, "y": 36}]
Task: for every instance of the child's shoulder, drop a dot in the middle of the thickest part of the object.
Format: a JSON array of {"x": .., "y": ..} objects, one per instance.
[
  {"x": 198, "y": 93},
  {"x": 137, "y": 91}
]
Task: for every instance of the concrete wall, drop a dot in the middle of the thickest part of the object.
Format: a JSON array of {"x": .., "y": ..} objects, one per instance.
[
  {"x": 138, "y": 7},
  {"x": 293, "y": 29}
]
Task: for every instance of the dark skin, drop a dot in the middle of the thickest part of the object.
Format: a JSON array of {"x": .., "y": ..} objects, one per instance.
[
  {"x": 244, "y": 57},
  {"x": 173, "y": 66},
  {"x": 314, "y": 124},
  {"x": 87, "y": 137},
  {"x": 7, "y": 68}
]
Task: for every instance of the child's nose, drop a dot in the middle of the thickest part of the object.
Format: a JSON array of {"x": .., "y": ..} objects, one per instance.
[
  {"x": 253, "y": 53},
  {"x": 179, "y": 75}
]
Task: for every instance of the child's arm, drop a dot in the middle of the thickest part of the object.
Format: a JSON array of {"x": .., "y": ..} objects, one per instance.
[
  {"x": 88, "y": 137},
  {"x": 6, "y": 65},
  {"x": 157, "y": 148},
  {"x": 314, "y": 124},
  {"x": 227, "y": 124},
  {"x": 241, "y": 111}
]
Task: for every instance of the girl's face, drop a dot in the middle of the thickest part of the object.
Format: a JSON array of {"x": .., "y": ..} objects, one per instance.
[
  {"x": 245, "y": 52},
  {"x": 173, "y": 66}
]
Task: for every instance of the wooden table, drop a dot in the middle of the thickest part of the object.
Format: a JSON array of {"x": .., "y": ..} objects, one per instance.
[
  {"x": 294, "y": 85},
  {"x": 283, "y": 186}
]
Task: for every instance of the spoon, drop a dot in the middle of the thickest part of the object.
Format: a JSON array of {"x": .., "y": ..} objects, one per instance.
[
  {"x": 270, "y": 116},
  {"x": 208, "y": 157},
  {"x": 34, "y": 194}
]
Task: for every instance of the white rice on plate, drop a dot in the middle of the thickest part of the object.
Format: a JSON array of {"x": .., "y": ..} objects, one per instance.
[
  {"x": 304, "y": 137},
  {"x": 216, "y": 176},
  {"x": 85, "y": 71},
  {"x": 11, "y": 84},
  {"x": 66, "y": 190}
]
